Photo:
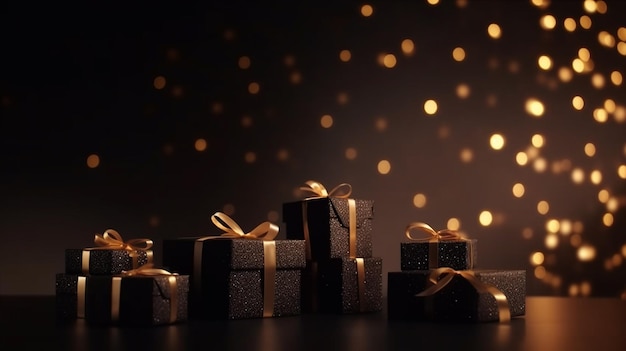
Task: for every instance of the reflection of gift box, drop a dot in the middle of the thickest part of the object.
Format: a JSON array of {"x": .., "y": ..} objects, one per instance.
[
  {"x": 70, "y": 296},
  {"x": 456, "y": 254},
  {"x": 349, "y": 285},
  {"x": 328, "y": 225},
  {"x": 137, "y": 300},
  {"x": 459, "y": 300},
  {"x": 104, "y": 261},
  {"x": 233, "y": 273}
]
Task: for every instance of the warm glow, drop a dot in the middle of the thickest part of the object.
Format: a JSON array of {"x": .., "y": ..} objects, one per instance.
[
  {"x": 584, "y": 54},
  {"x": 351, "y": 153},
  {"x": 534, "y": 107},
  {"x": 250, "y": 157},
  {"x": 621, "y": 33},
  {"x": 496, "y": 141},
  {"x": 282, "y": 155},
  {"x": 454, "y": 224},
  {"x": 590, "y": 6},
  {"x": 551, "y": 241},
  {"x": 578, "y": 65},
  {"x": 537, "y": 140},
  {"x": 596, "y": 177},
  {"x": 543, "y": 207},
  {"x": 547, "y": 22},
  {"x": 458, "y": 54},
  {"x": 384, "y": 167},
  {"x": 433, "y": 2},
  {"x": 485, "y": 218},
  {"x": 521, "y": 158},
  {"x": 466, "y": 155},
  {"x": 597, "y": 80},
  {"x": 253, "y": 88},
  {"x": 541, "y": 3},
  {"x": 606, "y": 39},
  {"x": 607, "y": 219},
  {"x": 569, "y": 24},
  {"x": 621, "y": 48},
  {"x": 600, "y": 115},
  {"x": 159, "y": 82},
  {"x": 200, "y": 145},
  {"x": 326, "y": 121},
  {"x": 621, "y": 171},
  {"x": 93, "y": 161},
  {"x": 408, "y": 47},
  {"x": 585, "y": 22},
  {"x": 389, "y": 60},
  {"x": 540, "y": 165},
  {"x": 540, "y": 272},
  {"x": 603, "y": 196},
  {"x": 590, "y": 149},
  {"x": 553, "y": 225},
  {"x": 494, "y": 31},
  {"x": 536, "y": 258},
  {"x": 244, "y": 62},
  {"x": 367, "y": 10},
  {"x": 612, "y": 204},
  {"x": 586, "y": 253},
  {"x": 544, "y": 62},
  {"x": 578, "y": 175},
  {"x": 518, "y": 190},
  {"x": 430, "y": 107},
  {"x": 566, "y": 227},
  {"x": 419, "y": 200},
  {"x": 345, "y": 55},
  {"x": 578, "y": 103},
  {"x": 616, "y": 78},
  {"x": 609, "y": 105},
  {"x": 462, "y": 91},
  {"x": 565, "y": 74}
]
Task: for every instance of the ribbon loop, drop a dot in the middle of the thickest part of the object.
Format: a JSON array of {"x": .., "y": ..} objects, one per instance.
[
  {"x": 264, "y": 231},
  {"x": 147, "y": 270},
  {"x": 112, "y": 240},
  {"x": 441, "y": 235},
  {"x": 341, "y": 191}
]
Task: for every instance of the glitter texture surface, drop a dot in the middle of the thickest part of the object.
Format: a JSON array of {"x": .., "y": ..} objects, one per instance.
[
  {"x": 102, "y": 262},
  {"x": 329, "y": 224},
  {"x": 454, "y": 254},
  {"x": 338, "y": 285},
  {"x": 458, "y": 301},
  {"x": 65, "y": 296}
]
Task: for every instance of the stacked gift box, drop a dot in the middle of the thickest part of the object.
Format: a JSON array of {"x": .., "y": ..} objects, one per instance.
[
  {"x": 239, "y": 275},
  {"x": 341, "y": 276},
  {"x": 438, "y": 282},
  {"x": 115, "y": 282}
]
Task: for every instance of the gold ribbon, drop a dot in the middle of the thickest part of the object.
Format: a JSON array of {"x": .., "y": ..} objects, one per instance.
[
  {"x": 341, "y": 191},
  {"x": 81, "y": 288},
  {"x": 360, "y": 271},
  {"x": 436, "y": 237},
  {"x": 436, "y": 284},
  {"x": 112, "y": 240},
  {"x": 265, "y": 231}
]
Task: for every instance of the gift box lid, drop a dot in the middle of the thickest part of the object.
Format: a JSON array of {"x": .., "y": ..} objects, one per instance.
[{"x": 337, "y": 208}]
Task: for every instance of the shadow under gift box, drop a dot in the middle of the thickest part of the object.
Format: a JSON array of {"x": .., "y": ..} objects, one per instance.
[
  {"x": 231, "y": 285},
  {"x": 338, "y": 286},
  {"x": 456, "y": 302},
  {"x": 456, "y": 254},
  {"x": 329, "y": 226},
  {"x": 103, "y": 261}
]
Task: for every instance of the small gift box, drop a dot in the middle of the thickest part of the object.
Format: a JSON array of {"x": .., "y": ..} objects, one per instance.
[
  {"x": 237, "y": 275},
  {"x": 447, "y": 295},
  {"x": 144, "y": 296},
  {"x": 444, "y": 248},
  {"x": 111, "y": 255},
  {"x": 349, "y": 285},
  {"x": 70, "y": 296},
  {"x": 332, "y": 224}
]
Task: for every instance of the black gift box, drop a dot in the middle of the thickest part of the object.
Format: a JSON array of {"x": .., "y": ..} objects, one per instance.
[
  {"x": 67, "y": 298},
  {"x": 232, "y": 276},
  {"x": 329, "y": 226},
  {"x": 104, "y": 262},
  {"x": 143, "y": 300},
  {"x": 456, "y": 254},
  {"x": 456, "y": 302},
  {"x": 338, "y": 286}
]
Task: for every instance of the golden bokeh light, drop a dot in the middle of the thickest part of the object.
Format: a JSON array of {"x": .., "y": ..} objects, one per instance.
[
  {"x": 244, "y": 62},
  {"x": 542, "y": 4},
  {"x": 590, "y": 149},
  {"x": 603, "y": 196},
  {"x": 600, "y": 115},
  {"x": 621, "y": 48},
  {"x": 518, "y": 190},
  {"x": 521, "y": 158},
  {"x": 537, "y": 140},
  {"x": 453, "y": 224},
  {"x": 616, "y": 78},
  {"x": 578, "y": 102},
  {"x": 544, "y": 62},
  {"x": 565, "y": 227},
  {"x": 553, "y": 226},
  {"x": 621, "y": 171},
  {"x": 461, "y": 4},
  {"x": 462, "y": 91},
  {"x": 547, "y": 22},
  {"x": 612, "y": 204},
  {"x": 590, "y": 6},
  {"x": 381, "y": 124},
  {"x": 540, "y": 272},
  {"x": 250, "y": 157},
  {"x": 543, "y": 207},
  {"x": 621, "y": 33},
  {"x": 430, "y": 107},
  {"x": 419, "y": 200},
  {"x": 342, "y": 98},
  {"x": 624, "y": 250},
  {"x": 527, "y": 233},
  {"x": 200, "y": 144},
  {"x": 575, "y": 240},
  {"x": 295, "y": 77},
  {"x": 578, "y": 176},
  {"x": 551, "y": 241},
  {"x": 326, "y": 121},
  {"x": 93, "y": 161},
  {"x": 610, "y": 106},
  {"x": 585, "y": 21},
  {"x": 408, "y": 47},
  {"x": 607, "y": 219},
  {"x": 540, "y": 165},
  {"x": 389, "y": 61},
  {"x": 578, "y": 65},
  {"x": 351, "y": 153},
  {"x": 458, "y": 54},
  {"x": 586, "y": 253},
  {"x": 597, "y": 80},
  {"x": 159, "y": 82},
  {"x": 367, "y": 10},
  {"x": 606, "y": 39},
  {"x": 536, "y": 258},
  {"x": 282, "y": 155},
  {"x": 384, "y": 167},
  {"x": 596, "y": 177},
  {"x": 466, "y": 155},
  {"x": 569, "y": 24},
  {"x": 485, "y": 218},
  {"x": 565, "y": 74},
  {"x": 534, "y": 107},
  {"x": 345, "y": 55},
  {"x": 584, "y": 54},
  {"x": 254, "y": 88},
  {"x": 432, "y": 2},
  {"x": 494, "y": 31},
  {"x": 497, "y": 141}
]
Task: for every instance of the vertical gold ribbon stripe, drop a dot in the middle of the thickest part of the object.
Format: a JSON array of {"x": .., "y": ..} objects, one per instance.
[
  {"x": 197, "y": 265},
  {"x": 173, "y": 298},
  {"x": 352, "y": 224},
  {"x": 81, "y": 289},
  {"x": 85, "y": 261},
  {"x": 360, "y": 270},
  {"x": 116, "y": 289},
  {"x": 269, "y": 277}
]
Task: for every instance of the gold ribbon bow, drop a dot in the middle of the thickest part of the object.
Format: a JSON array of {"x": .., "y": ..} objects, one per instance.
[
  {"x": 147, "y": 270},
  {"x": 112, "y": 240},
  {"x": 436, "y": 284},
  {"x": 436, "y": 237},
  {"x": 320, "y": 191},
  {"x": 266, "y": 232}
]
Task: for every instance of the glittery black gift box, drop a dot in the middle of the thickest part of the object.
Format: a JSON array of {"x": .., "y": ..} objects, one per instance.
[
  {"x": 456, "y": 302},
  {"x": 329, "y": 226},
  {"x": 103, "y": 262},
  {"x": 338, "y": 286},
  {"x": 66, "y": 296},
  {"x": 456, "y": 254},
  {"x": 144, "y": 300},
  {"x": 232, "y": 271}
]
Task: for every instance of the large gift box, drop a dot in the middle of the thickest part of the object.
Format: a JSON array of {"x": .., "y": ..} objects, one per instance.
[
  {"x": 458, "y": 296},
  {"x": 145, "y": 296},
  {"x": 333, "y": 226},
  {"x": 349, "y": 285},
  {"x": 234, "y": 276},
  {"x": 111, "y": 255},
  {"x": 70, "y": 296},
  {"x": 444, "y": 248}
]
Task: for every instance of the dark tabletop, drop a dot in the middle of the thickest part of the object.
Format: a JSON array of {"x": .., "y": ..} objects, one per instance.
[{"x": 551, "y": 323}]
